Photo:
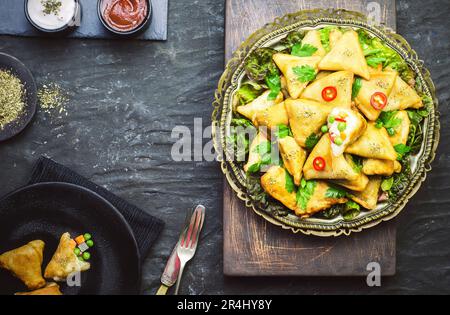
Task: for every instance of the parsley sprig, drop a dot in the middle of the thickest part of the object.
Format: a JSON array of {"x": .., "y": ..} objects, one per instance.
[{"x": 305, "y": 73}]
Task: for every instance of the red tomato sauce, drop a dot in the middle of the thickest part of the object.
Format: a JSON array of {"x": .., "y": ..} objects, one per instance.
[{"x": 124, "y": 15}]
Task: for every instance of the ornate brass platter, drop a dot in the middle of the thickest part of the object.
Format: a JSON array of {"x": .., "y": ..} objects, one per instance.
[{"x": 223, "y": 111}]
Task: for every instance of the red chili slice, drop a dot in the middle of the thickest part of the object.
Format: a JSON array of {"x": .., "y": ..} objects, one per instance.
[
  {"x": 329, "y": 93},
  {"x": 340, "y": 119},
  {"x": 378, "y": 100},
  {"x": 319, "y": 163}
]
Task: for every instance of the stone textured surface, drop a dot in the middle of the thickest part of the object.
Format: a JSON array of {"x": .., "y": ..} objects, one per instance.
[{"x": 127, "y": 96}]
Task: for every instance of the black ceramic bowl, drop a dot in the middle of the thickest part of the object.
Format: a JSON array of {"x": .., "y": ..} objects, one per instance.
[
  {"x": 16, "y": 67},
  {"x": 45, "y": 211},
  {"x": 140, "y": 28},
  {"x": 73, "y": 23}
]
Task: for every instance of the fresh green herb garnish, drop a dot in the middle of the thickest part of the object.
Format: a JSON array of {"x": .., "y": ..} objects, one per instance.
[
  {"x": 305, "y": 192},
  {"x": 264, "y": 150},
  {"x": 335, "y": 193},
  {"x": 388, "y": 121},
  {"x": 303, "y": 50},
  {"x": 293, "y": 38},
  {"x": 283, "y": 131},
  {"x": 387, "y": 183},
  {"x": 402, "y": 150},
  {"x": 260, "y": 64},
  {"x": 325, "y": 37},
  {"x": 356, "y": 87},
  {"x": 305, "y": 73},
  {"x": 289, "y": 182},
  {"x": 311, "y": 141},
  {"x": 377, "y": 53},
  {"x": 351, "y": 210},
  {"x": 375, "y": 61},
  {"x": 248, "y": 92},
  {"x": 357, "y": 164},
  {"x": 238, "y": 141},
  {"x": 274, "y": 84}
]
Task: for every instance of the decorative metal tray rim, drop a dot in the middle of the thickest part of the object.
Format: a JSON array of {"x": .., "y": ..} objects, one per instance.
[{"x": 229, "y": 83}]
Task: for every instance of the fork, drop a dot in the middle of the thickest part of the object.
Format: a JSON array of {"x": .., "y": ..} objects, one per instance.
[{"x": 189, "y": 241}]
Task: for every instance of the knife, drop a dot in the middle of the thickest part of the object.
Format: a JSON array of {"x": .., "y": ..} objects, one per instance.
[{"x": 170, "y": 274}]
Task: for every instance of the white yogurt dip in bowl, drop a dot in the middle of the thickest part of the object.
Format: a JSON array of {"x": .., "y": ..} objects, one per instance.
[{"x": 53, "y": 16}]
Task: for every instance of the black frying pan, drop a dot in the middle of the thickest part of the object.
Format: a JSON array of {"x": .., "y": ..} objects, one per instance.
[
  {"x": 17, "y": 68},
  {"x": 47, "y": 210}
]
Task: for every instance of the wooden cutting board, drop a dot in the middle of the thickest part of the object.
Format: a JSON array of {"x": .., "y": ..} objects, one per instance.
[{"x": 254, "y": 247}]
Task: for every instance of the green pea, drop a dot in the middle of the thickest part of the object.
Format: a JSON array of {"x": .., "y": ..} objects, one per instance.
[
  {"x": 338, "y": 141},
  {"x": 324, "y": 129},
  {"x": 86, "y": 256},
  {"x": 77, "y": 251},
  {"x": 331, "y": 119},
  {"x": 342, "y": 126},
  {"x": 87, "y": 236},
  {"x": 90, "y": 243},
  {"x": 81, "y": 258}
]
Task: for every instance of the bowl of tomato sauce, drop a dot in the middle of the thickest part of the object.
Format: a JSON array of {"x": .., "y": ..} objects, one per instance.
[{"x": 125, "y": 17}]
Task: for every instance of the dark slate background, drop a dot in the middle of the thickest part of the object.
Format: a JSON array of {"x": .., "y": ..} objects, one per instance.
[{"x": 127, "y": 96}]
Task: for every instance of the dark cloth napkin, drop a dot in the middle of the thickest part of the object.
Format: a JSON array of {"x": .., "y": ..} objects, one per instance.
[{"x": 146, "y": 228}]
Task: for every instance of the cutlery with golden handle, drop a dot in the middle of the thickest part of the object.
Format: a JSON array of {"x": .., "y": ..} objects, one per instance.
[
  {"x": 170, "y": 274},
  {"x": 189, "y": 241}
]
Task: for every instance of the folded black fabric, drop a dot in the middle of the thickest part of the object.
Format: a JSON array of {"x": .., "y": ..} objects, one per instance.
[{"x": 146, "y": 228}]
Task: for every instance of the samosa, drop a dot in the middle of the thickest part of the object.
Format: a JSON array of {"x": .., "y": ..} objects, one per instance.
[
  {"x": 368, "y": 197},
  {"x": 64, "y": 261},
  {"x": 260, "y": 103},
  {"x": 298, "y": 71},
  {"x": 334, "y": 167},
  {"x": 306, "y": 117},
  {"x": 346, "y": 54},
  {"x": 339, "y": 82},
  {"x": 373, "y": 143},
  {"x": 293, "y": 157},
  {"x": 25, "y": 263}
]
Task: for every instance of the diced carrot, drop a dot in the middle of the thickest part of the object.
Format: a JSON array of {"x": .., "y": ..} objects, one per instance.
[
  {"x": 79, "y": 239},
  {"x": 343, "y": 136}
]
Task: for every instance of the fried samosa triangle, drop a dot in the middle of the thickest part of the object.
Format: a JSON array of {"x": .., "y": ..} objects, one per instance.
[
  {"x": 345, "y": 126},
  {"x": 358, "y": 184},
  {"x": 25, "y": 263},
  {"x": 272, "y": 116},
  {"x": 260, "y": 103},
  {"x": 379, "y": 82},
  {"x": 313, "y": 38},
  {"x": 50, "y": 289},
  {"x": 293, "y": 157},
  {"x": 401, "y": 131},
  {"x": 305, "y": 118},
  {"x": 64, "y": 261},
  {"x": 373, "y": 143},
  {"x": 274, "y": 183},
  {"x": 292, "y": 67},
  {"x": 402, "y": 96},
  {"x": 314, "y": 196},
  {"x": 340, "y": 81},
  {"x": 335, "y": 167},
  {"x": 346, "y": 54},
  {"x": 254, "y": 155},
  {"x": 368, "y": 197},
  {"x": 381, "y": 167}
]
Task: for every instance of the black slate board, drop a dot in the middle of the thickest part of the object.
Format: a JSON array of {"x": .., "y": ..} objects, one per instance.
[{"x": 14, "y": 22}]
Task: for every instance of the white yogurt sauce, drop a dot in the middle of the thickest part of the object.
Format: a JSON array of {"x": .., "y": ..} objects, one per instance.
[
  {"x": 51, "y": 21},
  {"x": 351, "y": 122}
]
